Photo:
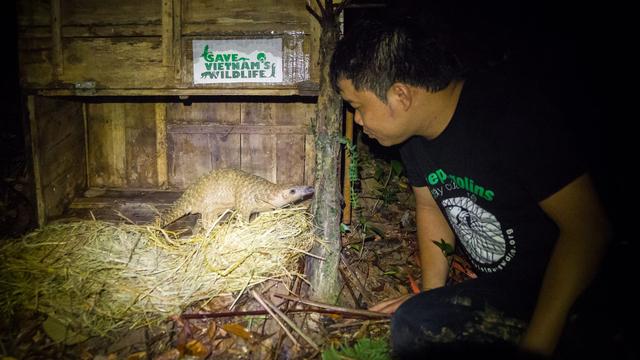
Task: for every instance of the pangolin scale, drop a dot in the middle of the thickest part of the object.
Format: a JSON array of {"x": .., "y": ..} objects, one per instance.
[{"x": 225, "y": 189}]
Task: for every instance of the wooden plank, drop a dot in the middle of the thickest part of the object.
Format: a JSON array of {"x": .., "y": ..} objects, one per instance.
[
  {"x": 177, "y": 41},
  {"x": 35, "y": 156},
  {"x": 206, "y": 113},
  {"x": 141, "y": 207},
  {"x": 167, "y": 32},
  {"x": 111, "y": 197},
  {"x": 61, "y": 157},
  {"x": 258, "y": 151},
  {"x": 225, "y": 151},
  {"x": 243, "y": 16},
  {"x": 115, "y": 62},
  {"x": 107, "y": 153},
  {"x": 36, "y": 69},
  {"x": 85, "y": 130},
  {"x": 238, "y": 129},
  {"x": 161, "y": 143},
  {"x": 346, "y": 180},
  {"x": 33, "y": 13},
  {"x": 218, "y": 91},
  {"x": 140, "y": 145},
  {"x": 115, "y": 12},
  {"x": 56, "y": 38},
  {"x": 290, "y": 159},
  {"x": 189, "y": 158},
  {"x": 60, "y": 154},
  {"x": 310, "y": 160},
  {"x": 57, "y": 120},
  {"x": 291, "y": 155},
  {"x": 258, "y": 155},
  {"x": 60, "y": 191},
  {"x": 108, "y": 30}
]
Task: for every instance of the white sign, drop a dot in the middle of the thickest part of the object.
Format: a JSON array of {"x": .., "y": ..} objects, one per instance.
[{"x": 237, "y": 61}]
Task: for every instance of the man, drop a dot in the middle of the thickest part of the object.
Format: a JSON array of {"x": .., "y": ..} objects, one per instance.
[{"x": 494, "y": 174}]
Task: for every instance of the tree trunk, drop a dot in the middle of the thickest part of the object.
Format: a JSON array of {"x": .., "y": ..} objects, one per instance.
[{"x": 323, "y": 274}]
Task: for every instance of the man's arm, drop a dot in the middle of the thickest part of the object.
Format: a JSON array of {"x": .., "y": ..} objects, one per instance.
[
  {"x": 432, "y": 226},
  {"x": 583, "y": 238}
]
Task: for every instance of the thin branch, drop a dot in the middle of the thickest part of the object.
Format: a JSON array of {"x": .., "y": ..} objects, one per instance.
[
  {"x": 322, "y": 9},
  {"x": 313, "y": 12},
  {"x": 214, "y": 315},
  {"x": 353, "y": 278},
  {"x": 349, "y": 289},
  {"x": 337, "y": 309},
  {"x": 270, "y": 307},
  {"x": 273, "y": 315}
]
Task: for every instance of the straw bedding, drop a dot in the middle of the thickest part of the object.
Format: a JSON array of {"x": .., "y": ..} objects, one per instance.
[{"x": 96, "y": 277}]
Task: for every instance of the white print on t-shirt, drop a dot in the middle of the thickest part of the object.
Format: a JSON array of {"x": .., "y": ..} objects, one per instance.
[{"x": 478, "y": 230}]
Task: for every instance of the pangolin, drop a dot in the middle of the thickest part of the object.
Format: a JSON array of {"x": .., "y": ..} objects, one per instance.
[{"x": 225, "y": 189}]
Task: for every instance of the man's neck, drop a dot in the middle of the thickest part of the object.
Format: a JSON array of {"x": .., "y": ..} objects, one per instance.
[{"x": 435, "y": 109}]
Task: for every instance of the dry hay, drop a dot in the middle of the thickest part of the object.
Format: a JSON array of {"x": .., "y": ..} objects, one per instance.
[{"x": 96, "y": 277}]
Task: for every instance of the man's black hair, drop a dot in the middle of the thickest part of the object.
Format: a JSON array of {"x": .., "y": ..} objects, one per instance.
[{"x": 375, "y": 54}]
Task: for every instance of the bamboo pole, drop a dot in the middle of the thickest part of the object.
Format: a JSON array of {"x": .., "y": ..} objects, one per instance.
[{"x": 346, "y": 182}]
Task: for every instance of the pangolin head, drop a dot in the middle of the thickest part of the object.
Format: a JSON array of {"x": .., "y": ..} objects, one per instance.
[{"x": 290, "y": 195}]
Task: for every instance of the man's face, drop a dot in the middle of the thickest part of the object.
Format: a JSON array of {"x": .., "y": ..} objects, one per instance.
[{"x": 384, "y": 122}]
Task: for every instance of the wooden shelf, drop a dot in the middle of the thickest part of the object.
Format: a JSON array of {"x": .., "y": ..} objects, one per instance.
[{"x": 308, "y": 90}]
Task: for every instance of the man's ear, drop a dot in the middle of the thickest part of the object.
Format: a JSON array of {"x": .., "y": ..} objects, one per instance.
[{"x": 401, "y": 94}]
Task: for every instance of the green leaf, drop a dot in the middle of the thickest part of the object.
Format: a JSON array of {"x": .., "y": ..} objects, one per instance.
[
  {"x": 447, "y": 249},
  {"x": 364, "y": 349},
  {"x": 375, "y": 230},
  {"x": 344, "y": 228},
  {"x": 396, "y": 166}
]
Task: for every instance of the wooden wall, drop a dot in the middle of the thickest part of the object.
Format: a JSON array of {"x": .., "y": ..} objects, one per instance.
[
  {"x": 122, "y": 44},
  {"x": 135, "y": 119},
  {"x": 122, "y": 145},
  {"x": 58, "y": 149},
  {"x": 269, "y": 139}
]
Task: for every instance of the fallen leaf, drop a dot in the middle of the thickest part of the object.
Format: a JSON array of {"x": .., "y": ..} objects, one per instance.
[{"x": 238, "y": 330}]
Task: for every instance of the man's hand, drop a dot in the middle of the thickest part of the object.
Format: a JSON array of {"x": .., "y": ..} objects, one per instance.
[{"x": 390, "y": 306}]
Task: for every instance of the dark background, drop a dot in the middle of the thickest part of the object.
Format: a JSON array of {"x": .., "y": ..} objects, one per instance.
[{"x": 580, "y": 53}]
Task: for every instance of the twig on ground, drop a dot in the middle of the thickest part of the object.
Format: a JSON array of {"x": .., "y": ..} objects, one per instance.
[
  {"x": 270, "y": 307},
  {"x": 336, "y": 309},
  {"x": 354, "y": 279}
]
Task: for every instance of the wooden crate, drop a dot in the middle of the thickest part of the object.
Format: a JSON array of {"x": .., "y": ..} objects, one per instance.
[
  {"x": 122, "y": 47},
  {"x": 113, "y": 106}
]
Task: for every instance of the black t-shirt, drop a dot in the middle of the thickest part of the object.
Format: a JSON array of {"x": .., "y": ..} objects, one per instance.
[{"x": 505, "y": 149}]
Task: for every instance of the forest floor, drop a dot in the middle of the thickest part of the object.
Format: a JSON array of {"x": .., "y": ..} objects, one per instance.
[{"x": 378, "y": 262}]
